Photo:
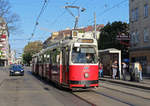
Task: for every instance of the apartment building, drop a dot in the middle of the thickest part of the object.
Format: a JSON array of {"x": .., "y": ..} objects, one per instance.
[
  {"x": 4, "y": 43},
  {"x": 139, "y": 12}
]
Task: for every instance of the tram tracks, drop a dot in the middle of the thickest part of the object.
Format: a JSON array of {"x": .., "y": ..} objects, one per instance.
[
  {"x": 128, "y": 87},
  {"x": 92, "y": 104},
  {"x": 132, "y": 91},
  {"x": 127, "y": 93},
  {"x": 120, "y": 97},
  {"x": 97, "y": 98},
  {"x": 114, "y": 98}
]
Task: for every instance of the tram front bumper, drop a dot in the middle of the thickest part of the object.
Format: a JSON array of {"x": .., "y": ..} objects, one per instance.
[{"x": 85, "y": 84}]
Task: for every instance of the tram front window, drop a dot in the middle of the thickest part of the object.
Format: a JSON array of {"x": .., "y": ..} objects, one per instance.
[{"x": 84, "y": 55}]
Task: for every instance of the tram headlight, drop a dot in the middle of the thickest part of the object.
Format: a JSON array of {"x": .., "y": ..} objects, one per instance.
[{"x": 86, "y": 75}]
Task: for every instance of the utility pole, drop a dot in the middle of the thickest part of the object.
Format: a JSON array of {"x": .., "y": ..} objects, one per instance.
[
  {"x": 95, "y": 25},
  {"x": 95, "y": 22}
]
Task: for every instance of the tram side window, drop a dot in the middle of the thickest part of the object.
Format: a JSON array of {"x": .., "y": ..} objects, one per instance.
[
  {"x": 50, "y": 59},
  {"x": 40, "y": 59},
  {"x": 44, "y": 58},
  {"x": 48, "y": 56},
  {"x": 55, "y": 58},
  {"x": 35, "y": 60}
]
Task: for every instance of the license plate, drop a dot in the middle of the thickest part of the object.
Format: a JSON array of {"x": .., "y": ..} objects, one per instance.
[{"x": 17, "y": 72}]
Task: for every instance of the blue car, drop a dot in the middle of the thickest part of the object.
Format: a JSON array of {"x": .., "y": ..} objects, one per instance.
[{"x": 16, "y": 70}]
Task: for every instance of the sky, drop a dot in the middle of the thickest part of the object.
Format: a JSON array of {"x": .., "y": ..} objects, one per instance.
[{"x": 55, "y": 17}]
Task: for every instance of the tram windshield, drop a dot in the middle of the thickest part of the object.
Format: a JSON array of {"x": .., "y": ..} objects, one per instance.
[{"x": 84, "y": 55}]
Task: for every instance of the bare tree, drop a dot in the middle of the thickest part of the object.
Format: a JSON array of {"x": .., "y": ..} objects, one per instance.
[{"x": 10, "y": 17}]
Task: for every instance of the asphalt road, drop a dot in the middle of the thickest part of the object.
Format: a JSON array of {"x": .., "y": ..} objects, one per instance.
[{"x": 30, "y": 91}]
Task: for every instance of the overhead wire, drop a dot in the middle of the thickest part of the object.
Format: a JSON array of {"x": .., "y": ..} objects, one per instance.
[
  {"x": 56, "y": 19},
  {"x": 42, "y": 9},
  {"x": 38, "y": 17},
  {"x": 18, "y": 39},
  {"x": 106, "y": 10},
  {"x": 74, "y": 2}
]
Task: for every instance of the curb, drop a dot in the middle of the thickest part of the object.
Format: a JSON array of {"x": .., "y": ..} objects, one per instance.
[{"x": 127, "y": 83}]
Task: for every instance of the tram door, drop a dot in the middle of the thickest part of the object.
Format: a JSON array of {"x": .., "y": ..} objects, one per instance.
[{"x": 65, "y": 65}]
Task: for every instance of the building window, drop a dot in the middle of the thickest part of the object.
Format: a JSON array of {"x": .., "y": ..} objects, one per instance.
[
  {"x": 136, "y": 14},
  {"x": 133, "y": 38},
  {"x": 146, "y": 10},
  {"x": 133, "y": 16},
  {"x": 137, "y": 37},
  {"x": 146, "y": 37}
]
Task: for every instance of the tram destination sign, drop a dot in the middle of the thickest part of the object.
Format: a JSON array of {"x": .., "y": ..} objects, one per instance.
[{"x": 86, "y": 40}]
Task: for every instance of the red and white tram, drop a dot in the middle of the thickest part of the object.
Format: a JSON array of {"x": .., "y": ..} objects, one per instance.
[{"x": 71, "y": 62}]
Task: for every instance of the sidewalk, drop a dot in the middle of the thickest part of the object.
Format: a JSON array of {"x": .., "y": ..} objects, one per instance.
[{"x": 145, "y": 84}]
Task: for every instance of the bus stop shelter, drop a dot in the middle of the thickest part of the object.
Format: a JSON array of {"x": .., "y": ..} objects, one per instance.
[{"x": 107, "y": 57}]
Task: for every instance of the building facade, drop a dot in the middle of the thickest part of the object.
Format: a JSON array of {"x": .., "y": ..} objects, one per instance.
[
  {"x": 4, "y": 43},
  {"x": 12, "y": 57},
  {"x": 19, "y": 60},
  {"x": 139, "y": 12}
]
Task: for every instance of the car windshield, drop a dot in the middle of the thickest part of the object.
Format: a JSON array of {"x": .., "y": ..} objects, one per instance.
[
  {"x": 84, "y": 55},
  {"x": 20, "y": 66},
  {"x": 17, "y": 67}
]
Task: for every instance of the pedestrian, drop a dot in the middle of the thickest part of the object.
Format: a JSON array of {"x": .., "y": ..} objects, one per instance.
[
  {"x": 114, "y": 69},
  {"x": 140, "y": 71},
  {"x": 100, "y": 70},
  {"x": 131, "y": 71},
  {"x": 124, "y": 70}
]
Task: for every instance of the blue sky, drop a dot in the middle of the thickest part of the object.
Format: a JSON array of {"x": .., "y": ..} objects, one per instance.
[{"x": 55, "y": 17}]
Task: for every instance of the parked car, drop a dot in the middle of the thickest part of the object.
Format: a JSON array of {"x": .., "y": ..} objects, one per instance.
[{"x": 16, "y": 70}]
